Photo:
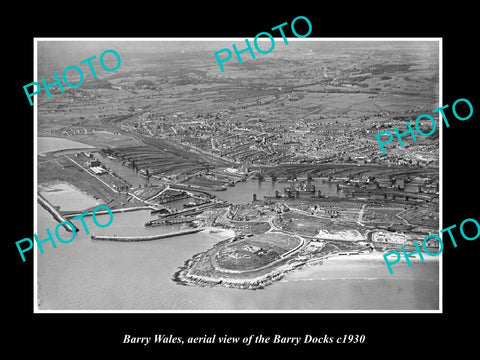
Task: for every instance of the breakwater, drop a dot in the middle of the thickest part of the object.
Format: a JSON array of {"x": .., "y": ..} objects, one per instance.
[
  {"x": 181, "y": 220},
  {"x": 56, "y": 215},
  {"x": 144, "y": 238},
  {"x": 71, "y": 214}
]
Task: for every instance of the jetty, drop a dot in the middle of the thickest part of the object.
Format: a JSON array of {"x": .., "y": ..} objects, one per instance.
[
  {"x": 144, "y": 238},
  {"x": 56, "y": 215}
]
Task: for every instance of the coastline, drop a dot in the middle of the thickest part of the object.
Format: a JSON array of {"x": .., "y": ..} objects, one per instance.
[
  {"x": 63, "y": 192},
  {"x": 186, "y": 276},
  {"x": 52, "y": 143}
]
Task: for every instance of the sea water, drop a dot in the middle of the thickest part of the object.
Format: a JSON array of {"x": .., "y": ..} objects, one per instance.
[{"x": 103, "y": 275}]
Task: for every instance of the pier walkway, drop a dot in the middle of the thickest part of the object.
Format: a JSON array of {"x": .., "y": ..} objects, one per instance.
[{"x": 144, "y": 238}]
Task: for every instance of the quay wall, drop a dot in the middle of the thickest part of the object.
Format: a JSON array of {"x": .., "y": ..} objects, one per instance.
[
  {"x": 143, "y": 238},
  {"x": 101, "y": 212}
]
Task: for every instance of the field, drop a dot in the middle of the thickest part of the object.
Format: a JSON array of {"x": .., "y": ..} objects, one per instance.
[
  {"x": 307, "y": 225},
  {"x": 255, "y": 252},
  {"x": 424, "y": 216}
]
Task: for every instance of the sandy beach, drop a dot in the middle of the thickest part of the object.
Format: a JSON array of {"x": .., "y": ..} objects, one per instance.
[
  {"x": 369, "y": 266},
  {"x": 66, "y": 196}
]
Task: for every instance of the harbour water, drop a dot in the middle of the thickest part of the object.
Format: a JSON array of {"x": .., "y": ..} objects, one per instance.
[
  {"x": 242, "y": 192},
  {"x": 127, "y": 173}
]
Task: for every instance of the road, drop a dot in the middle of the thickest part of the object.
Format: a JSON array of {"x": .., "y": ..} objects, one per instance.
[
  {"x": 360, "y": 215},
  {"x": 401, "y": 218}
]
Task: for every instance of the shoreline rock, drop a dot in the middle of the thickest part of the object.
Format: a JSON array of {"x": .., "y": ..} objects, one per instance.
[{"x": 184, "y": 277}]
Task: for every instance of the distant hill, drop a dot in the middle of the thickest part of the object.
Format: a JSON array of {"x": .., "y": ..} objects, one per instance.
[
  {"x": 97, "y": 84},
  {"x": 144, "y": 82}
]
